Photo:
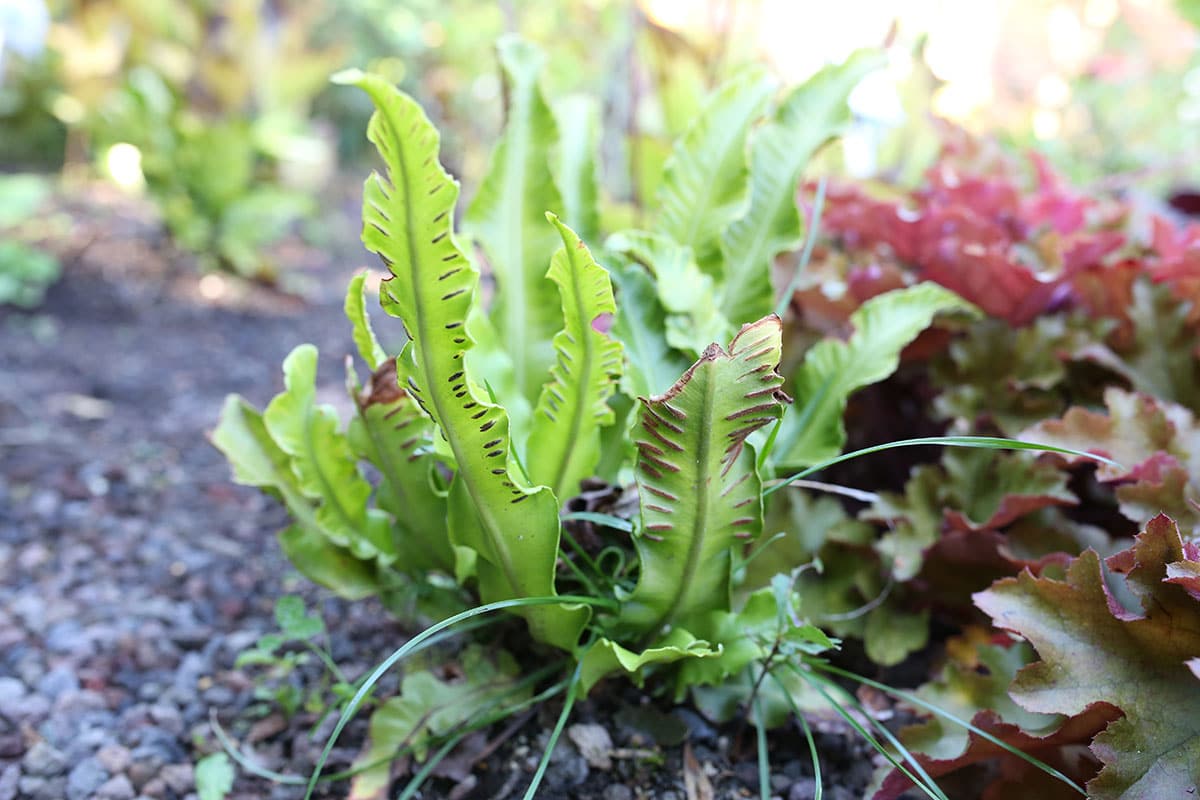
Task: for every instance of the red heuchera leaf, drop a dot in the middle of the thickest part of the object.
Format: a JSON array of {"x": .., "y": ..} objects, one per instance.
[
  {"x": 1136, "y": 428},
  {"x": 1095, "y": 650},
  {"x": 1016, "y": 252},
  {"x": 967, "y": 227},
  {"x": 1176, "y": 262},
  {"x": 1156, "y": 444}
]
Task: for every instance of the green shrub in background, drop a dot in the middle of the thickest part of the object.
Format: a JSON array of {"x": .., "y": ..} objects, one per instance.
[
  {"x": 25, "y": 271},
  {"x": 206, "y": 106}
]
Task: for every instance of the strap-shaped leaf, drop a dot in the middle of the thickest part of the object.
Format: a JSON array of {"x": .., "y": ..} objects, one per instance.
[
  {"x": 652, "y": 364},
  {"x": 325, "y": 466},
  {"x": 507, "y": 217},
  {"x": 258, "y": 461},
  {"x": 684, "y": 291},
  {"x": 564, "y": 445},
  {"x": 700, "y": 493},
  {"x": 356, "y": 311},
  {"x": 833, "y": 369},
  {"x": 408, "y": 222},
  {"x": 579, "y": 128},
  {"x": 811, "y": 115},
  {"x": 704, "y": 180},
  {"x": 393, "y": 434}
]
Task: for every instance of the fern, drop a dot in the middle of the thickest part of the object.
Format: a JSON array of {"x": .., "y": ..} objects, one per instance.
[
  {"x": 704, "y": 179},
  {"x": 511, "y": 528},
  {"x": 564, "y": 445},
  {"x": 507, "y": 216},
  {"x": 699, "y": 490},
  {"x": 809, "y": 116}
]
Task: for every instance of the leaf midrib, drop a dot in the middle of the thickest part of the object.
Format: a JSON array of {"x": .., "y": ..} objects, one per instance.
[
  {"x": 573, "y": 445},
  {"x": 482, "y": 509},
  {"x": 738, "y": 277},
  {"x": 699, "y": 527}
]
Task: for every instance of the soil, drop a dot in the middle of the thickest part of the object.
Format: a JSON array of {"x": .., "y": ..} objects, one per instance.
[{"x": 133, "y": 572}]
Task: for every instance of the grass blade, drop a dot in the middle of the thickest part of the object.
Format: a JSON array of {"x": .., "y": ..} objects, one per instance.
[
  {"x": 819, "y": 789},
  {"x": 420, "y": 642},
  {"x": 810, "y": 240},
  {"x": 764, "y": 764},
  {"x": 984, "y": 442},
  {"x": 568, "y": 704},
  {"x": 931, "y": 789},
  {"x": 908, "y": 697}
]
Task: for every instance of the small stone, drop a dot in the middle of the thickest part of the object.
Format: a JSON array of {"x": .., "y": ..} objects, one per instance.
[
  {"x": 114, "y": 758},
  {"x": 12, "y": 745},
  {"x": 155, "y": 788},
  {"x": 30, "y": 708},
  {"x": 9, "y": 780},
  {"x": 74, "y": 702},
  {"x": 594, "y": 743},
  {"x": 118, "y": 788},
  {"x": 618, "y": 791},
  {"x": 803, "y": 789},
  {"x": 780, "y": 782},
  {"x": 84, "y": 779},
  {"x": 43, "y": 760},
  {"x": 11, "y": 690},
  {"x": 57, "y": 681},
  {"x": 33, "y": 787},
  {"x": 168, "y": 718},
  {"x": 698, "y": 730},
  {"x": 67, "y": 636},
  {"x": 142, "y": 774},
  {"x": 180, "y": 778}
]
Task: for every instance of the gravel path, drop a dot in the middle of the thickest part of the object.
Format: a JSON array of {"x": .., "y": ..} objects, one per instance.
[{"x": 131, "y": 572}]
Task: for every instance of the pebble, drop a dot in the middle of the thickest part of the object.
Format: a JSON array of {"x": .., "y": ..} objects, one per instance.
[
  {"x": 84, "y": 779},
  {"x": 11, "y": 690},
  {"x": 118, "y": 788},
  {"x": 180, "y": 778},
  {"x": 57, "y": 681},
  {"x": 618, "y": 791},
  {"x": 33, "y": 787},
  {"x": 114, "y": 758},
  {"x": 803, "y": 789},
  {"x": 10, "y": 777},
  {"x": 43, "y": 759}
]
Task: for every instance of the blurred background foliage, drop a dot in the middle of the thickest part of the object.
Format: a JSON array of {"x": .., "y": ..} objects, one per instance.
[{"x": 220, "y": 111}]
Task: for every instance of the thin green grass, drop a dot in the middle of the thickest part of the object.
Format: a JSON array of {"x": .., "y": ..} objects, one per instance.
[
  {"x": 925, "y": 783},
  {"x": 819, "y": 789},
  {"x": 982, "y": 442},
  {"x": 810, "y": 241},
  {"x": 568, "y": 704},
  {"x": 764, "y": 764},
  {"x": 912, "y": 699},
  {"x": 420, "y": 642}
]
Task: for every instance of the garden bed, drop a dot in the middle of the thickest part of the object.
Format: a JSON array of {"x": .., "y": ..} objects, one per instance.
[{"x": 133, "y": 573}]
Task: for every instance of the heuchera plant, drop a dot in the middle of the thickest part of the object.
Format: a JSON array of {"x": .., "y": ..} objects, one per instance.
[
  {"x": 1088, "y": 343},
  {"x": 602, "y": 450}
]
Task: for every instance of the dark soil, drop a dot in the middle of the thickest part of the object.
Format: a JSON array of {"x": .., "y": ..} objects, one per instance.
[{"x": 133, "y": 573}]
